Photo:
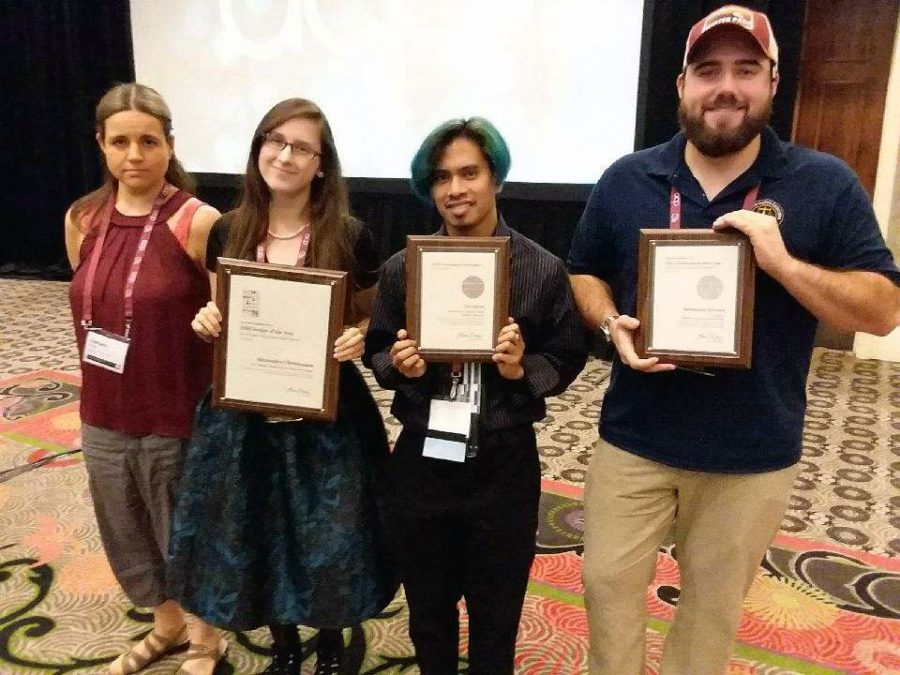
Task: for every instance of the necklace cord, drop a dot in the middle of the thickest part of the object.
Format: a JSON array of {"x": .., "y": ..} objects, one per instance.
[{"x": 283, "y": 237}]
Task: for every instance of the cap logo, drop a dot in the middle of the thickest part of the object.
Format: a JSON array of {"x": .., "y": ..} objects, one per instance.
[{"x": 742, "y": 19}]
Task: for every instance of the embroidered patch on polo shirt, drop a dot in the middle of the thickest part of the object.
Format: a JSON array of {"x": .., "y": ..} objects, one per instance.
[{"x": 769, "y": 207}]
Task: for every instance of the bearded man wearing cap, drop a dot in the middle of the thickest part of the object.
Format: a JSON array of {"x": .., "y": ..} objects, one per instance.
[{"x": 714, "y": 456}]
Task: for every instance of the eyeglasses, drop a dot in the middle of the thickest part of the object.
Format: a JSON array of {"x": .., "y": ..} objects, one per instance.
[{"x": 300, "y": 150}]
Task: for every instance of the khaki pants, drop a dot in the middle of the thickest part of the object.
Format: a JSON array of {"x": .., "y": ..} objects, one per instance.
[{"x": 723, "y": 526}]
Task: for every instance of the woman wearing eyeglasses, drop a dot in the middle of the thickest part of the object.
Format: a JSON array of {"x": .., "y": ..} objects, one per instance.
[{"x": 278, "y": 522}]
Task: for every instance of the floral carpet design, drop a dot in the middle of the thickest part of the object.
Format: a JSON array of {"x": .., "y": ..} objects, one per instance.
[{"x": 826, "y": 600}]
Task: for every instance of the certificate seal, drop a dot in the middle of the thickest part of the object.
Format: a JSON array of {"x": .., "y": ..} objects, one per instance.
[
  {"x": 709, "y": 287},
  {"x": 473, "y": 287}
]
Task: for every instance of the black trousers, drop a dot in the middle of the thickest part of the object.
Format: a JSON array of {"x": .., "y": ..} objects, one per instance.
[{"x": 466, "y": 531}]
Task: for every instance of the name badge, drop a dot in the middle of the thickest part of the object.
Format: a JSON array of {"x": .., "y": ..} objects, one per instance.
[
  {"x": 105, "y": 350},
  {"x": 449, "y": 423}
]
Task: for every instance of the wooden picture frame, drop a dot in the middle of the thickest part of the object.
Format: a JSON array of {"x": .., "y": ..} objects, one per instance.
[
  {"x": 457, "y": 295},
  {"x": 696, "y": 291},
  {"x": 274, "y": 355}
]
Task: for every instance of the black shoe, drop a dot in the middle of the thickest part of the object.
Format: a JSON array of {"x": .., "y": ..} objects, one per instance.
[
  {"x": 284, "y": 663},
  {"x": 329, "y": 659}
]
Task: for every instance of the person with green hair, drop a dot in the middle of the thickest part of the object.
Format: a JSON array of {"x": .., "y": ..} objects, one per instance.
[
  {"x": 466, "y": 528},
  {"x": 480, "y": 132}
]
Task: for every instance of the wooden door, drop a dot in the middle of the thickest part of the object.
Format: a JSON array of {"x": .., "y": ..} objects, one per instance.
[{"x": 844, "y": 69}]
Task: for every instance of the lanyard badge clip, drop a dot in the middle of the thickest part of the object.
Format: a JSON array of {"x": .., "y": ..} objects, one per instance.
[
  {"x": 455, "y": 377},
  {"x": 453, "y": 421}
]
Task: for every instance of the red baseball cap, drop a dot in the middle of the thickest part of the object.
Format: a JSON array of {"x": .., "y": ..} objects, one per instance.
[{"x": 755, "y": 23}]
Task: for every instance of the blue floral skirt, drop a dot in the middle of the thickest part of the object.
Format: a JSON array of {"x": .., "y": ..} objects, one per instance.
[{"x": 282, "y": 523}]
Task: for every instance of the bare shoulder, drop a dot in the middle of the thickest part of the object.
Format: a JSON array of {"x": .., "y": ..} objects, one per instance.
[
  {"x": 204, "y": 218},
  {"x": 201, "y": 225},
  {"x": 70, "y": 223},
  {"x": 73, "y": 238},
  {"x": 199, "y": 217},
  {"x": 73, "y": 230}
]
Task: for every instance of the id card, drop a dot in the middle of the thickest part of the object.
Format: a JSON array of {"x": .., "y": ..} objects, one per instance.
[
  {"x": 448, "y": 430},
  {"x": 105, "y": 350}
]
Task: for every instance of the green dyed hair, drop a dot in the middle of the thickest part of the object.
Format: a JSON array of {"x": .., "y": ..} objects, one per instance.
[{"x": 477, "y": 129}]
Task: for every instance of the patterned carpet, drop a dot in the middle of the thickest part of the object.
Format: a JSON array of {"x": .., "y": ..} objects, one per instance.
[{"x": 827, "y": 599}]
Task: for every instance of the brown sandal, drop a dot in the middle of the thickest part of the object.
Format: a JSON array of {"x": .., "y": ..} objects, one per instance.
[
  {"x": 152, "y": 648},
  {"x": 205, "y": 653}
]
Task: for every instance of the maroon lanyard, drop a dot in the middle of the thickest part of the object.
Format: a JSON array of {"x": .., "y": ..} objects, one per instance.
[
  {"x": 675, "y": 205},
  {"x": 87, "y": 295},
  {"x": 301, "y": 254}
]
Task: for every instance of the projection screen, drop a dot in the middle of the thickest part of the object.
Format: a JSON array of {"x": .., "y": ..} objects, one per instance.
[{"x": 558, "y": 77}]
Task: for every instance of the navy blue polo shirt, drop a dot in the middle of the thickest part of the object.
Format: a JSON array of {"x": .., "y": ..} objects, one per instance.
[{"x": 737, "y": 421}]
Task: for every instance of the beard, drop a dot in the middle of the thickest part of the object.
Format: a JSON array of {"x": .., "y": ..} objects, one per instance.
[{"x": 721, "y": 142}]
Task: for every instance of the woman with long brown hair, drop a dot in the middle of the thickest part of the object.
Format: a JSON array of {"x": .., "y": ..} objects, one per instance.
[
  {"x": 278, "y": 521},
  {"x": 137, "y": 246}
]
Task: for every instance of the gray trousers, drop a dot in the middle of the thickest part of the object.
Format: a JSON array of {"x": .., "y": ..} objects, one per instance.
[{"x": 134, "y": 483}]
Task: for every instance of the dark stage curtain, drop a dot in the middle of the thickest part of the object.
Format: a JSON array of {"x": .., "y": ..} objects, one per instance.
[
  {"x": 391, "y": 211},
  {"x": 551, "y": 223},
  {"x": 59, "y": 58}
]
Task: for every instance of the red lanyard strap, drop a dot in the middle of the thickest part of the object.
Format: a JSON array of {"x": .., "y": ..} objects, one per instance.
[
  {"x": 675, "y": 205},
  {"x": 106, "y": 217},
  {"x": 301, "y": 254}
]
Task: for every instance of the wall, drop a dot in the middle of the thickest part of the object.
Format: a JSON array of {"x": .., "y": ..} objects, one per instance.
[{"x": 886, "y": 201}]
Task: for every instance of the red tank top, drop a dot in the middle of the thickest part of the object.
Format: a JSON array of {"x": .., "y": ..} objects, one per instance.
[{"x": 168, "y": 367}]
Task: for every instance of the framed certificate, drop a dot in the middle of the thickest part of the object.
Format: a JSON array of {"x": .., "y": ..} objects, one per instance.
[
  {"x": 457, "y": 295},
  {"x": 279, "y": 324},
  {"x": 695, "y": 297}
]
